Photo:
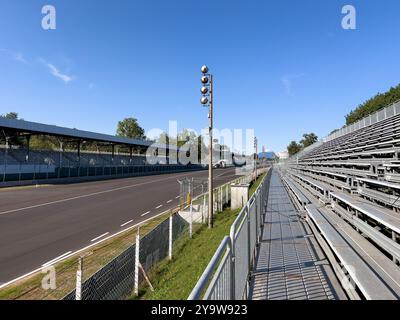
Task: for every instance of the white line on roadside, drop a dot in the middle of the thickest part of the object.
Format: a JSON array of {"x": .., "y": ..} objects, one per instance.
[
  {"x": 159, "y": 206},
  {"x": 101, "y": 236},
  {"x": 55, "y": 259},
  {"x": 177, "y": 197},
  {"x": 124, "y": 224},
  {"x": 169, "y": 201},
  {"x": 146, "y": 213}
]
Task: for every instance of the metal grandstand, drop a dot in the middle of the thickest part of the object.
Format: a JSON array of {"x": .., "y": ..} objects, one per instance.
[{"x": 348, "y": 188}]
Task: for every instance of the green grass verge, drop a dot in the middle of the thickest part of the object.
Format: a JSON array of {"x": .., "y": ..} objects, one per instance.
[
  {"x": 255, "y": 185},
  {"x": 175, "y": 279}
]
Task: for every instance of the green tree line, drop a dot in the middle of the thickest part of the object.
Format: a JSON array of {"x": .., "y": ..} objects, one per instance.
[{"x": 380, "y": 101}]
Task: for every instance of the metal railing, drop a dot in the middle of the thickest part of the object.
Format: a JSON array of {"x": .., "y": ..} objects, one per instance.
[
  {"x": 10, "y": 173},
  {"x": 227, "y": 275},
  {"x": 380, "y": 115},
  {"x": 383, "y": 114}
]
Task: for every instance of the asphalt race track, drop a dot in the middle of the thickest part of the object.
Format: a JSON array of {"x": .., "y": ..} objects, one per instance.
[{"x": 40, "y": 224}]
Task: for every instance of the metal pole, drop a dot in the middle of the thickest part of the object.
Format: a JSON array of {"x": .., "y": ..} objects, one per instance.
[
  {"x": 220, "y": 199},
  {"x": 78, "y": 290},
  {"x": 170, "y": 237},
  {"x": 210, "y": 160},
  {"x": 204, "y": 204},
  {"x": 191, "y": 220},
  {"x": 137, "y": 251},
  {"x": 5, "y": 159}
]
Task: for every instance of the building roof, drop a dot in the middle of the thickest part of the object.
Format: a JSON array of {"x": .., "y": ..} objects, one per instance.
[
  {"x": 267, "y": 155},
  {"x": 39, "y": 128}
]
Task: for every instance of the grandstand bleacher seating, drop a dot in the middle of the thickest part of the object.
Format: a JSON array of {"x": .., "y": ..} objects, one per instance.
[{"x": 356, "y": 177}]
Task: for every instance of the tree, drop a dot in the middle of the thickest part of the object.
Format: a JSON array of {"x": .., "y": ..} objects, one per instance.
[
  {"x": 293, "y": 148},
  {"x": 10, "y": 115},
  {"x": 374, "y": 104},
  {"x": 308, "y": 139},
  {"x": 164, "y": 138},
  {"x": 130, "y": 128}
]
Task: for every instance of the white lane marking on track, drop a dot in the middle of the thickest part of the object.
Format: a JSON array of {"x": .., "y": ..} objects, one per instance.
[
  {"x": 159, "y": 206},
  {"x": 100, "y": 236},
  {"x": 169, "y": 201},
  {"x": 177, "y": 197},
  {"x": 88, "y": 195},
  {"x": 146, "y": 213},
  {"x": 124, "y": 224},
  {"x": 55, "y": 259}
]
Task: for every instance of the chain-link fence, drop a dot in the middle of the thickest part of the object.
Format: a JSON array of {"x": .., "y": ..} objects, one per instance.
[{"x": 116, "y": 280}]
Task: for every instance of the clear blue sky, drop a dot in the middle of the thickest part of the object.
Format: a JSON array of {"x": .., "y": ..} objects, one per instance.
[{"x": 281, "y": 67}]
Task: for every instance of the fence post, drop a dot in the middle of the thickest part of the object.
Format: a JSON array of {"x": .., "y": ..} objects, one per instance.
[
  {"x": 191, "y": 221},
  {"x": 227, "y": 193},
  {"x": 78, "y": 289},
  {"x": 203, "y": 209},
  {"x": 233, "y": 263},
  {"x": 170, "y": 236},
  {"x": 220, "y": 199},
  {"x": 137, "y": 262}
]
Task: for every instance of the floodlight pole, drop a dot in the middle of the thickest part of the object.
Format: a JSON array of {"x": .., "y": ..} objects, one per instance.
[{"x": 210, "y": 159}]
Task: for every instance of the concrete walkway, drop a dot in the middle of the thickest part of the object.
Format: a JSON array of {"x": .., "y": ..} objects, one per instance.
[{"x": 290, "y": 264}]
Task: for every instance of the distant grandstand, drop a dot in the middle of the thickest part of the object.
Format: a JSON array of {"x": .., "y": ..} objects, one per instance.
[
  {"x": 365, "y": 155},
  {"x": 113, "y": 155}
]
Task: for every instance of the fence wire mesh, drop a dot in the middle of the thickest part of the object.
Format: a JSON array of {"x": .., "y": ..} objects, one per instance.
[{"x": 116, "y": 280}]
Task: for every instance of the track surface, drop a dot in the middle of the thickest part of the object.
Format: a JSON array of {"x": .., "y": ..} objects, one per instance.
[{"x": 40, "y": 224}]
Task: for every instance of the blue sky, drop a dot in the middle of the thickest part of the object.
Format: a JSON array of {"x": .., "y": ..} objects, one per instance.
[{"x": 281, "y": 67}]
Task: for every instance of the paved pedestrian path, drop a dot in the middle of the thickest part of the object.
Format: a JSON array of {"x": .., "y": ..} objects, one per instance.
[{"x": 290, "y": 264}]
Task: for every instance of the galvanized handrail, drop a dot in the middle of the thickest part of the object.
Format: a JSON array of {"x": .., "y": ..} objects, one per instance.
[
  {"x": 204, "y": 280},
  {"x": 210, "y": 281}
]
